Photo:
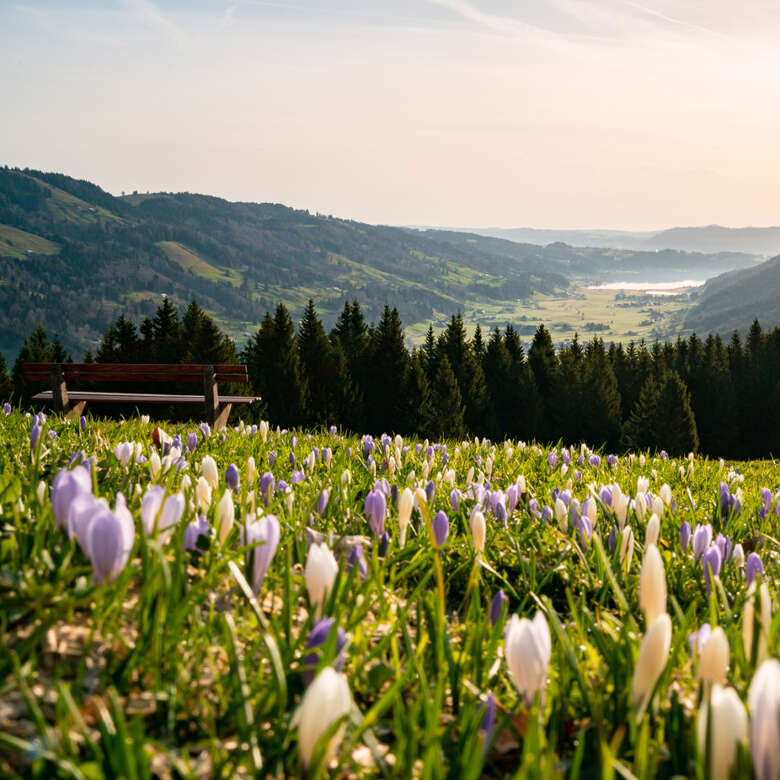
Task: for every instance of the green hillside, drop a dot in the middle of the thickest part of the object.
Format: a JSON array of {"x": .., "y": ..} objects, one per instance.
[{"x": 74, "y": 257}]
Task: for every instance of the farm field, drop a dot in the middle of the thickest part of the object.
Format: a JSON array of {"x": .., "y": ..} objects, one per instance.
[
  {"x": 615, "y": 315},
  {"x": 181, "y": 602}
]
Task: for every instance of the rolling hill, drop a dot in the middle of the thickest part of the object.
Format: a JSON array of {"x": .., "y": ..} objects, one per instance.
[{"x": 74, "y": 257}]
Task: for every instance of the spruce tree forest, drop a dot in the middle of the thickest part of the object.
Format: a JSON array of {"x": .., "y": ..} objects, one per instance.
[{"x": 718, "y": 398}]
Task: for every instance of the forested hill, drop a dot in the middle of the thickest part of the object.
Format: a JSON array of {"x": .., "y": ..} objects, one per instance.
[{"x": 74, "y": 257}]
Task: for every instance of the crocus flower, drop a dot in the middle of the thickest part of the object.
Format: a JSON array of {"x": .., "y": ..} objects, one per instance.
[
  {"x": 317, "y": 638},
  {"x": 7, "y": 408},
  {"x": 626, "y": 547},
  {"x": 375, "y": 508},
  {"x": 66, "y": 486},
  {"x": 528, "y": 648},
  {"x": 357, "y": 557},
  {"x": 652, "y": 530},
  {"x": 728, "y": 727},
  {"x": 753, "y": 566},
  {"x": 696, "y": 639},
  {"x": 454, "y": 499},
  {"x": 611, "y": 539},
  {"x": 320, "y": 574},
  {"x": 478, "y": 530},
  {"x": 322, "y": 502},
  {"x": 110, "y": 537},
  {"x": 714, "y": 657},
  {"x": 738, "y": 556},
  {"x": 496, "y": 604},
  {"x": 595, "y": 460},
  {"x": 584, "y": 530},
  {"x": 264, "y": 534},
  {"x": 208, "y": 467},
  {"x": 652, "y": 585},
  {"x": 488, "y": 723},
  {"x": 430, "y": 492},
  {"x": 702, "y": 536},
  {"x": 653, "y": 654},
  {"x": 764, "y": 703},
  {"x": 271, "y": 458},
  {"x": 192, "y": 441},
  {"x": 552, "y": 460},
  {"x": 605, "y": 495},
  {"x": 711, "y": 561},
  {"x": 267, "y": 486},
  {"x": 441, "y": 528},
  {"x": 326, "y": 700},
  {"x": 405, "y": 505},
  {"x": 83, "y": 422},
  {"x": 194, "y": 531},
  {"x": 232, "y": 477},
  {"x": 685, "y": 535},
  {"x": 384, "y": 543},
  {"x": 226, "y": 515}
]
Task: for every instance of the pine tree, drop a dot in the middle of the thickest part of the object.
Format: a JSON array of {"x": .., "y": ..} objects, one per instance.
[
  {"x": 447, "y": 403},
  {"x": 320, "y": 366},
  {"x": 601, "y": 418},
  {"x": 166, "y": 333},
  {"x": 544, "y": 364},
  {"x": 418, "y": 413}
]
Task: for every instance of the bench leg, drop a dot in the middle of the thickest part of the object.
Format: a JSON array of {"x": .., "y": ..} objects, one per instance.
[
  {"x": 221, "y": 416},
  {"x": 75, "y": 411}
]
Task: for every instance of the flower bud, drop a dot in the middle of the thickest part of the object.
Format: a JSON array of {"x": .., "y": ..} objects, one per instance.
[
  {"x": 226, "y": 515},
  {"x": 764, "y": 703},
  {"x": 652, "y": 585},
  {"x": 728, "y": 727},
  {"x": 478, "y": 530},
  {"x": 320, "y": 574},
  {"x": 208, "y": 468},
  {"x": 714, "y": 657},
  {"x": 528, "y": 648},
  {"x": 326, "y": 700},
  {"x": 653, "y": 654}
]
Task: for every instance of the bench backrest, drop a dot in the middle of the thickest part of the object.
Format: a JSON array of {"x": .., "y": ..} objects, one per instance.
[{"x": 134, "y": 372}]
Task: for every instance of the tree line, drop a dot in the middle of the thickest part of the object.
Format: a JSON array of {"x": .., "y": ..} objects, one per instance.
[{"x": 722, "y": 399}]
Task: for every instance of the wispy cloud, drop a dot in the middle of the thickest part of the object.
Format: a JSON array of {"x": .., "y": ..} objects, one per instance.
[
  {"x": 500, "y": 24},
  {"x": 153, "y": 17}
]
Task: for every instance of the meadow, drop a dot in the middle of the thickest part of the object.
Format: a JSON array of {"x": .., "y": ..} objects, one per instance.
[{"x": 177, "y": 602}]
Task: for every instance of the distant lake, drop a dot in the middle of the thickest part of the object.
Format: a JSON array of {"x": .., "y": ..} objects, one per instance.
[{"x": 649, "y": 288}]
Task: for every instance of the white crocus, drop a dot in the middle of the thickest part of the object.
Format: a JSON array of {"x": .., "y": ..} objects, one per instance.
[
  {"x": 653, "y": 654},
  {"x": 226, "y": 516},
  {"x": 764, "y": 703},
  {"x": 763, "y": 621},
  {"x": 478, "y": 531},
  {"x": 251, "y": 471},
  {"x": 528, "y": 648},
  {"x": 208, "y": 467},
  {"x": 652, "y": 585},
  {"x": 320, "y": 574},
  {"x": 666, "y": 494},
  {"x": 203, "y": 493},
  {"x": 155, "y": 465},
  {"x": 626, "y": 548},
  {"x": 652, "y": 530},
  {"x": 326, "y": 700},
  {"x": 405, "y": 505},
  {"x": 728, "y": 727},
  {"x": 562, "y": 515},
  {"x": 714, "y": 657}
]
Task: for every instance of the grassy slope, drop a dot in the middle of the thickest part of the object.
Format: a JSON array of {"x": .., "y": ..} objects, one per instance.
[{"x": 16, "y": 243}]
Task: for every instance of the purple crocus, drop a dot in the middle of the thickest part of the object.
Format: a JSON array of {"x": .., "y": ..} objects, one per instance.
[
  {"x": 711, "y": 561},
  {"x": 35, "y": 434},
  {"x": 264, "y": 534},
  {"x": 66, "y": 486},
  {"x": 496, "y": 604},
  {"x": 595, "y": 460},
  {"x": 7, "y": 408},
  {"x": 332, "y": 430},
  {"x": 205, "y": 429},
  {"x": 271, "y": 458},
  {"x": 612, "y": 460},
  {"x": 192, "y": 441},
  {"x": 488, "y": 723},
  {"x": 384, "y": 543},
  {"x": 368, "y": 446},
  {"x": 605, "y": 495},
  {"x": 512, "y": 497},
  {"x": 685, "y": 535},
  {"x": 441, "y": 528},
  {"x": 500, "y": 512},
  {"x": 552, "y": 460},
  {"x": 663, "y": 455},
  {"x": 612, "y": 539},
  {"x": 430, "y": 492},
  {"x": 292, "y": 459},
  {"x": 194, "y": 531},
  {"x": 322, "y": 502},
  {"x": 753, "y": 566},
  {"x": 547, "y": 513},
  {"x": 766, "y": 502},
  {"x": 723, "y": 543},
  {"x": 267, "y": 486},
  {"x": 584, "y": 529},
  {"x": 702, "y": 536},
  {"x": 109, "y": 539},
  {"x": 357, "y": 557},
  {"x": 454, "y": 499},
  {"x": 317, "y": 638},
  {"x": 232, "y": 477},
  {"x": 375, "y": 509},
  {"x": 696, "y": 639},
  {"x": 83, "y": 422},
  {"x": 297, "y": 476}
]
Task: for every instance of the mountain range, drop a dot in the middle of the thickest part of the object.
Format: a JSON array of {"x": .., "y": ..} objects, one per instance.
[{"x": 74, "y": 257}]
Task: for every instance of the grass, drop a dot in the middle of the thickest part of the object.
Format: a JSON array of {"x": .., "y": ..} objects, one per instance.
[
  {"x": 188, "y": 259},
  {"x": 175, "y": 669},
  {"x": 17, "y": 243}
]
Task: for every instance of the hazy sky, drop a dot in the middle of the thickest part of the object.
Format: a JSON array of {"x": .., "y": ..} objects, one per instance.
[{"x": 542, "y": 113}]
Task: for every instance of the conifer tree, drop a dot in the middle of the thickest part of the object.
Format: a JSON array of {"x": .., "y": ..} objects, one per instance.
[
  {"x": 166, "y": 333},
  {"x": 447, "y": 403},
  {"x": 601, "y": 409},
  {"x": 544, "y": 365}
]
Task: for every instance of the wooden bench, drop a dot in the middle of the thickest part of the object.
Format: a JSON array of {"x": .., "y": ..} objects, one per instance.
[{"x": 72, "y": 402}]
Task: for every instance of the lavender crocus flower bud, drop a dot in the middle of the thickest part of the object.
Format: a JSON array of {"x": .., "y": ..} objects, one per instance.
[
  {"x": 194, "y": 531},
  {"x": 376, "y": 508},
  {"x": 496, "y": 605},
  {"x": 685, "y": 535},
  {"x": 702, "y": 536},
  {"x": 753, "y": 566},
  {"x": 7, "y": 408},
  {"x": 264, "y": 534},
  {"x": 441, "y": 528},
  {"x": 192, "y": 441},
  {"x": 611, "y": 539},
  {"x": 66, "y": 486},
  {"x": 357, "y": 557},
  {"x": 317, "y": 638},
  {"x": 322, "y": 502},
  {"x": 110, "y": 540},
  {"x": 267, "y": 486},
  {"x": 35, "y": 434},
  {"x": 232, "y": 477},
  {"x": 384, "y": 543},
  {"x": 711, "y": 561},
  {"x": 488, "y": 720},
  {"x": 430, "y": 492},
  {"x": 454, "y": 499}
]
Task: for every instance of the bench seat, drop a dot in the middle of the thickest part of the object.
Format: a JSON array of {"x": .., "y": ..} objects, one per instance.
[{"x": 144, "y": 398}]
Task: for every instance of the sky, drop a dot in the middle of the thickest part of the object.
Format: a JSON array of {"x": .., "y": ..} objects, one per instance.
[{"x": 466, "y": 113}]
